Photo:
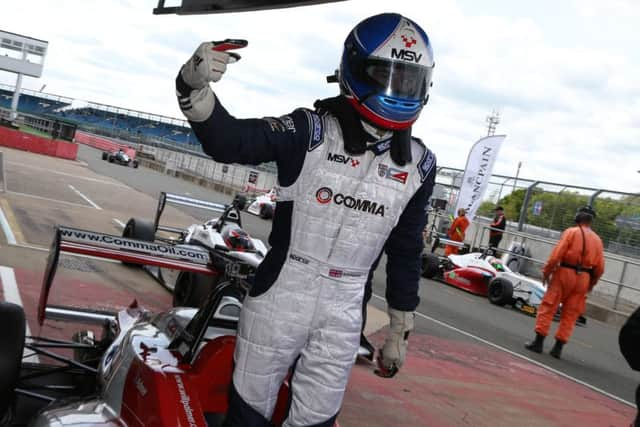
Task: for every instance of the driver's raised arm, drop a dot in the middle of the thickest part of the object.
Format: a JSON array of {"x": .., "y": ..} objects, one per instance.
[{"x": 230, "y": 140}]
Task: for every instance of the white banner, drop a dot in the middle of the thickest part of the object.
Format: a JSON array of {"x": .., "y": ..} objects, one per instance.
[{"x": 477, "y": 173}]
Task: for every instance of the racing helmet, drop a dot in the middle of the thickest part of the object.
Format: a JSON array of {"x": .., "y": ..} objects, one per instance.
[
  {"x": 236, "y": 238},
  {"x": 585, "y": 214},
  {"x": 385, "y": 71}
]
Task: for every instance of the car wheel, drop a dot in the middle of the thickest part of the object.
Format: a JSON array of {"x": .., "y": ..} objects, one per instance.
[
  {"x": 111, "y": 159},
  {"x": 105, "y": 156},
  {"x": 135, "y": 164},
  {"x": 266, "y": 212},
  {"x": 430, "y": 266},
  {"x": 11, "y": 347},
  {"x": 138, "y": 229},
  {"x": 192, "y": 289},
  {"x": 500, "y": 291}
]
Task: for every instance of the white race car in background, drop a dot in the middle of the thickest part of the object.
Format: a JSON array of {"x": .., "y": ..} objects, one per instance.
[
  {"x": 264, "y": 205},
  {"x": 484, "y": 274},
  {"x": 223, "y": 234}
]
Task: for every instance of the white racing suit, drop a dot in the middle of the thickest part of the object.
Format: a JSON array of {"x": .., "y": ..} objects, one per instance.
[{"x": 335, "y": 211}]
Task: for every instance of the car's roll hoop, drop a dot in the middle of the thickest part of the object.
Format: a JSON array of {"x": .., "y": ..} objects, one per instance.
[{"x": 132, "y": 251}]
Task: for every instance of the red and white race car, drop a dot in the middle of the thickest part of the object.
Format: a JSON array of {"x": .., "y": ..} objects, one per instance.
[
  {"x": 264, "y": 205},
  {"x": 484, "y": 274},
  {"x": 146, "y": 369}
]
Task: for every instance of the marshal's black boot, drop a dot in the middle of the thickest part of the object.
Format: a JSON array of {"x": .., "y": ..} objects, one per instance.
[
  {"x": 556, "y": 351},
  {"x": 536, "y": 344}
]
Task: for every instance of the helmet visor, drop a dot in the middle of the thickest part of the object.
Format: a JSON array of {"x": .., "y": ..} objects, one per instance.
[{"x": 398, "y": 79}]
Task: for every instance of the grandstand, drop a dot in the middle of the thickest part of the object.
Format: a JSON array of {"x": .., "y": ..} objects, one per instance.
[{"x": 103, "y": 119}]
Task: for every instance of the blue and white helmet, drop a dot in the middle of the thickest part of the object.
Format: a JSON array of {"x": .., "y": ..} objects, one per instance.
[{"x": 385, "y": 71}]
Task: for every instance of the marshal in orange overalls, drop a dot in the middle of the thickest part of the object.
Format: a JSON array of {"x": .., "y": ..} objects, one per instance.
[
  {"x": 456, "y": 232},
  {"x": 578, "y": 246}
]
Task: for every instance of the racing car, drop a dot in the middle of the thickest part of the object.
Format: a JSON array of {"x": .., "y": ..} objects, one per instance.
[
  {"x": 220, "y": 234},
  {"x": 264, "y": 205},
  {"x": 146, "y": 369},
  {"x": 119, "y": 157},
  {"x": 484, "y": 274}
]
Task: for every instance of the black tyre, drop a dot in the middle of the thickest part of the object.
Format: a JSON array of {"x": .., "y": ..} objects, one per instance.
[
  {"x": 500, "y": 291},
  {"x": 111, "y": 159},
  {"x": 266, "y": 211},
  {"x": 139, "y": 229},
  {"x": 135, "y": 164},
  {"x": 430, "y": 265},
  {"x": 192, "y": 289},
  {"x": 11, "y": 347},
  {"x": 105, "y": 156}
]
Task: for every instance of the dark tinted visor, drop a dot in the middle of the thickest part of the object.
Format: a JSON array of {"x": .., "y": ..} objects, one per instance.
[{"x": 398, "y": 79}]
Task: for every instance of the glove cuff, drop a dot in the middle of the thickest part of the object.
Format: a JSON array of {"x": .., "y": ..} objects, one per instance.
[
  {"x": 198, "y": 105},
  {"x": 401, "y": 322}
]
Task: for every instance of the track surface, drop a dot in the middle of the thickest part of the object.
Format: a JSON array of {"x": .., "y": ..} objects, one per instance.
[{"x": 456, "y": 332}]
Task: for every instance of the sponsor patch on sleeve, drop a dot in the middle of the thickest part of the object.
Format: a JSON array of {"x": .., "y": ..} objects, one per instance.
[
  {"x": 316, "y": 131},
  {"x": 426, "y": 164}
]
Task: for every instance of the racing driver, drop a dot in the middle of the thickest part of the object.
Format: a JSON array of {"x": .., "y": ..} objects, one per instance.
[{"x": 352, "y": 183}]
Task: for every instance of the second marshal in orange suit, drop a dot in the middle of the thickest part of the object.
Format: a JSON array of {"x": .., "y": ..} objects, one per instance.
[
  {"x": 572, "y": 270},
  {"x": 456, "y": 231}
]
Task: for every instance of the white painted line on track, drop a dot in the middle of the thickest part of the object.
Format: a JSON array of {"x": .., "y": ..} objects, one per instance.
[
  {"x": 33, "y": 196},
  {"x": 12, "y": 295},
  {"x": 86, "y": 178},
  {"x": 6, "y": 228},
  {"x": 119, "y": 223},
  {"x": 88, "y": 200},
  {"x": 518, "y": 355}
]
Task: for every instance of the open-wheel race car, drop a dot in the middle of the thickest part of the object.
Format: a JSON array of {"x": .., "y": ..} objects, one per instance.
[
  {"x": 484, "y": 274},
  {"x": 120, "y": 157},
  {"x": 223, "y": 234},
  {"x": 146, "y": 369}
]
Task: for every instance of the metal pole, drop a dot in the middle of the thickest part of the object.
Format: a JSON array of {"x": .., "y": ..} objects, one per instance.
[
  {"x": 624, "y": 270},
  {"x": 592, "y": 199},
  {"x": 517, "y": 174}
]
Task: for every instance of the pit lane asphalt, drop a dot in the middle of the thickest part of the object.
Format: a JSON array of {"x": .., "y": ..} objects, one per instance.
[{"x": 592, "y": 355}]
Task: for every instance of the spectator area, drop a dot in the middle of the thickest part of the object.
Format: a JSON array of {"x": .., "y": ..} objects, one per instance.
[{"x": 32, "y": 104}]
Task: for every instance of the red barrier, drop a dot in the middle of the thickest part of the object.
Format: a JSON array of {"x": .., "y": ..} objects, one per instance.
[
  {"x": 103, "y": 143},
  {"x": 24, "y": 141}
]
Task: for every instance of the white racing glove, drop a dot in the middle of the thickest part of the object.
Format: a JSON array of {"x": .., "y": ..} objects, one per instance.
[
  {"x": 394, "y": 351},
  {"x": 207, "y": 64}
]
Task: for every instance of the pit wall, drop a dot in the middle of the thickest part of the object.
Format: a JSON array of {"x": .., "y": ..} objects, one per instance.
[{"x": 13, "y": 138}]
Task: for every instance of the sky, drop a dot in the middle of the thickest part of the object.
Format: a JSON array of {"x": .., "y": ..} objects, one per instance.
[{"x": 563, "y": 75}]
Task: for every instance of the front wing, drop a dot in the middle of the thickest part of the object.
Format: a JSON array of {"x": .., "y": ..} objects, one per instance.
[{"x": 91, "y": 243}]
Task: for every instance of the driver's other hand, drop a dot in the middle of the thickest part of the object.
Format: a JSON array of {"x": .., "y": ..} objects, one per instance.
[{"x": 205, "y": 65}]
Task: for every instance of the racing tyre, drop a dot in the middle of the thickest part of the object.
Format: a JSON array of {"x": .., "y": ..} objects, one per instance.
[
  {"x": 192, "y": 289},
  {"x": 135, "y": 164},
  {"x": 266, "y": 211},
  {"x": 500, "y": 291},
  {"x": 430, "y": 266},
  {"x": 139, "y": 229},
  {"x": 105, "y": 156},
  {"x": 11, "y": 347},
  {"x": 111, "y": 159}
]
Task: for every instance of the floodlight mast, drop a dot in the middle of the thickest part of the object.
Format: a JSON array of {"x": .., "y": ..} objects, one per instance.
[{"x": 193, "y": 7}]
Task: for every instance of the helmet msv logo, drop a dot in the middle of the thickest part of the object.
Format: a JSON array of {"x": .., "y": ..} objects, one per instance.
[
  {"x": 325, "y": 195},
  {"x": 406, "y": 55}
]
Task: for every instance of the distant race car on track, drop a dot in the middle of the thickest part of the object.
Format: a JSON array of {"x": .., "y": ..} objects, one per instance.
[
  {"x": 119, "y": 157},
  {"x": 264, "y": 205},
  {"x": 483, "y": 274}
]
